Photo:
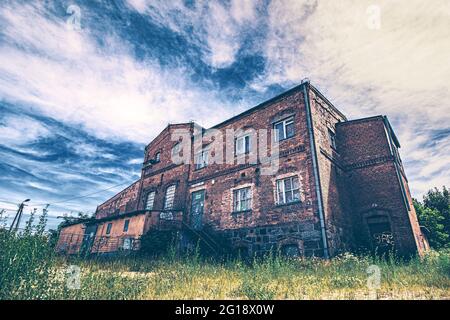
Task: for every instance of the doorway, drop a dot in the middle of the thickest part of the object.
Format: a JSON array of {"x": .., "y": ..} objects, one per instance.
[
  {"x": 380, "y": 233},
  {"x": 197, "y": 204}
]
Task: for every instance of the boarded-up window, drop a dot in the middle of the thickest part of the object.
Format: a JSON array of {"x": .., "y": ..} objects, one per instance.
[
  {"x": 170, "y": 195},
  {"x": 150, "y": 200}
]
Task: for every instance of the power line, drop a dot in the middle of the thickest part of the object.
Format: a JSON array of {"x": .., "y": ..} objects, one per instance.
[
  {"x": 81, "y": 197},
  {"x": 8, "y": 201}
]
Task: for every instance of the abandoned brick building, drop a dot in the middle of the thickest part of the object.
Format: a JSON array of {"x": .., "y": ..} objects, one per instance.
[{"x": 338, "y": 185}]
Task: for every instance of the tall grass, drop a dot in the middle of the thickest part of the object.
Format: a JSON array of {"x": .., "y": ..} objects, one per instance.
[{"x": 29, "y": 269}]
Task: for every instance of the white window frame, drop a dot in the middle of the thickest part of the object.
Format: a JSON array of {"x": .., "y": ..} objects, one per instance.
[
  {"x": 285, "y": 123},
  {"x": 332, "y": 137},
  {"x": 244, "y": 149},
  {"x": 168, "y": 201},
  {"x": 147, "y": 207},
  {"x": 176, "y": 149},
  {"x": 280, "y": 188},
  {"x": 237, "y": 201},
  {"x": 201, "y": 159}
]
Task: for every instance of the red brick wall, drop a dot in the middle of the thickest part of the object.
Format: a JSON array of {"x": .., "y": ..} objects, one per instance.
[
  {"x": 70, "y": 239},
  {"x": 335, "y": 205},
  {"x": 277, "y": 223},
  {"x": 124, "y": 201},
  {"x": 114, "y": 240},
  {"x": 356, "y": 179},
  {"x": 159, "y": 176},
  {"x": 373, "y": 182}
]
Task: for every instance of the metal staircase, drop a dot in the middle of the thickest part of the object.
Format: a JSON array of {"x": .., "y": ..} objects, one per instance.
[{"x": 212, "y": 242}]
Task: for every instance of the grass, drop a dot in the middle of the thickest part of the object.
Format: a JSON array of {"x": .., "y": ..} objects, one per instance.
[{"x": 29, "y": 269}]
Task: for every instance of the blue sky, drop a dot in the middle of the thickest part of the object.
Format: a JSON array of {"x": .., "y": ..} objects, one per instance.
[{"x": 78, "y": 105}]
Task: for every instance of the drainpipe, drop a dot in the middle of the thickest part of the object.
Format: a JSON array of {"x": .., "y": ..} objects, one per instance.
[{"x": 316, "y": 170}]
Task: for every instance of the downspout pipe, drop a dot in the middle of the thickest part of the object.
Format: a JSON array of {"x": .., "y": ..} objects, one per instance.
[{"x": 316, "y": 170}]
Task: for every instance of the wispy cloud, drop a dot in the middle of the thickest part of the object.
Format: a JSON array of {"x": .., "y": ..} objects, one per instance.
[
  {"x": 400, "y": 69},
  {"x": 217, "y": 29},
  {"x": 70, "y": 77},
  {"x": 77, "y": 106}
]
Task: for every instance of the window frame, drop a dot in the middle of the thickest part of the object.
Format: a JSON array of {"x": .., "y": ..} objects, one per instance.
[
  {"x": 108, "y": 228},
  {"x": 237, "y": 199},
  {"x": 332, "y": 138},
  {"x": 247, "y": 146},
  {"x": 204, "y": 161},
  {"x": 146, "y": 200},
  {"x": 157, "y": 157},
  {"x": 282, "y": 182},
  {"x": 284, "y": 122},
  {"x": 166, "y": 207},
  {"x": 126, "y": 225},
  {"x": 176, "y": 149}
]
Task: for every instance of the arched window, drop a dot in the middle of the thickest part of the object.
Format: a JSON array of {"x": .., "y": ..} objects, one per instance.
[
  {"x": 150, "y": 200},
  {"x": 169, "y": 198}
]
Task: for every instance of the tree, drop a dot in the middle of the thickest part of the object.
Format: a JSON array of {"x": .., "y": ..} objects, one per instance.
[
  {"x": 432, "y": 220},
  {"x": 440, "y": 201},
  {"x": 434, "y": 215}
]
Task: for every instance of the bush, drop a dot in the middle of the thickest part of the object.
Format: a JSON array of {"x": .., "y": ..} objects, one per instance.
[{"x": 158, "y": 242}]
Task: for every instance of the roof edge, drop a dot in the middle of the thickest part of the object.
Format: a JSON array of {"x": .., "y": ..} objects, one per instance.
[{"x": 262, "y": 105}]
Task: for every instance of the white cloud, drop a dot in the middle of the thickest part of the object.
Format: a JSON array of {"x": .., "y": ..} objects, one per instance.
[
  {"x": 106, "y": 91},
  {"x": 135, "y": 161},
  {"x": 215, "y": 28},
  {"x": 16, "y": 131},
  {"x": 401, "y": 70}
]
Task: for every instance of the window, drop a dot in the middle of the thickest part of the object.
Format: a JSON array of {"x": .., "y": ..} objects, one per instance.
[
  {"x": 127, "y": 244},
  {"x": 150, "y": 200},
  {"x": 332, "y": 136},
  {"x": 126, "y": 225},
  {"x": 157, "y": 156},
  {"x": 242, "y": 199},
  {"x": 242, "y": 145},
  {"x": 201, "y": 159},
  {"x": 170, "y": 195},
  {"x": 284, "y": 129},
  {"x": 176, "y": 149},
  {"x": 108, "y": 228},
  {"x": 288, "y": 190}
]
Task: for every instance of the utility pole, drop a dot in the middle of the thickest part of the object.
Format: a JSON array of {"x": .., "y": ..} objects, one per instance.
[{"x": 18, "y": 216}]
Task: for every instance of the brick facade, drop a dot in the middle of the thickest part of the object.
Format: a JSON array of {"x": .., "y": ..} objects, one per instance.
[{"x": 337, "y": 183}]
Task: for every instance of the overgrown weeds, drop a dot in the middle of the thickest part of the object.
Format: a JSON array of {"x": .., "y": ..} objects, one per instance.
[{"x": 29, "y": 269}]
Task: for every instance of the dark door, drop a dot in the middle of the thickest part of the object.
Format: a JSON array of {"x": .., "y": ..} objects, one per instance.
[
  {"x": 381, "y": 235},
  {"x": 88, "y": 239},
  {"x": 197, "y": 203}
]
